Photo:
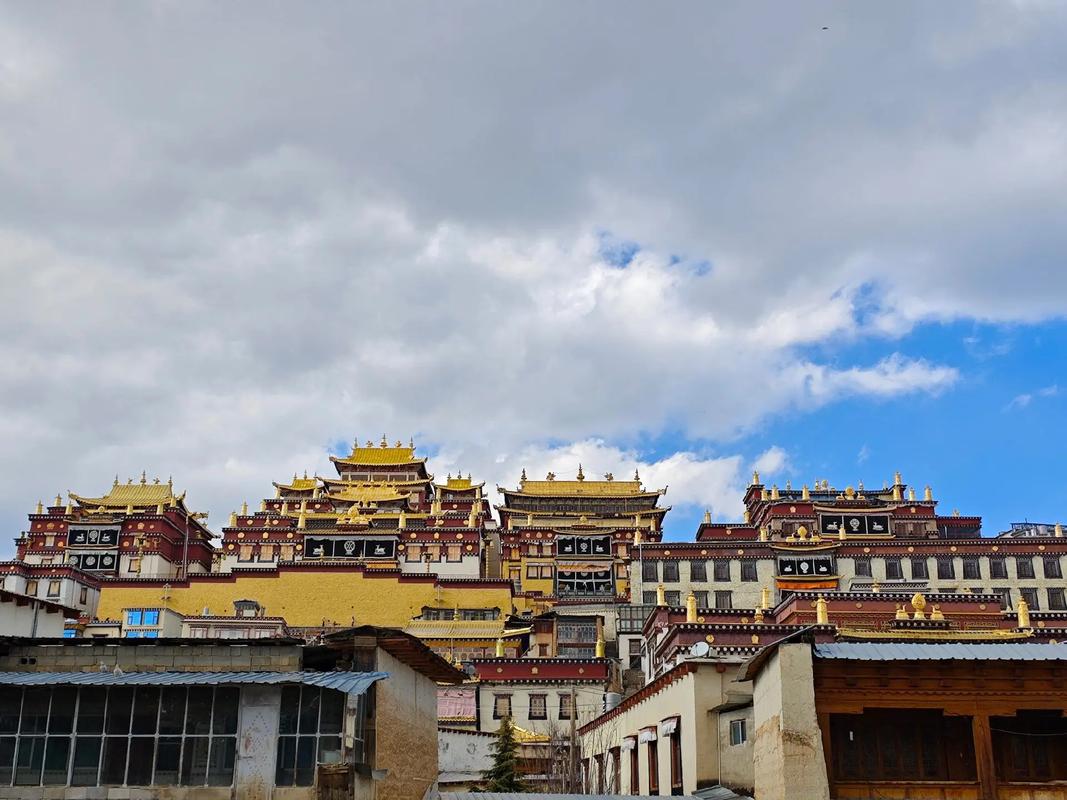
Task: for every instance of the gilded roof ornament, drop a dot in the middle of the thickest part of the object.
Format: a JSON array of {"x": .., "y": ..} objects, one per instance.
[
  {"x": 40, "y": 507},
  {"x": 637, "y": 477},
  {"x": 755, "y": 478},
  {"x": 581, "y": 475},
  {"x": 522, "y": 478},
  {"x": 384, "y": 442},
  {"x": 608, "y": 476},
  {"x": 1058, "y": 531},
  {"x": 707, "y": 516},
  {"x": 144, "y": 477},
  {"x": 918, "y": 602},
  {"x": 805, "y": 493},
  {"x": 897, "y": 481},
  {"x": 551, "y": 476}
]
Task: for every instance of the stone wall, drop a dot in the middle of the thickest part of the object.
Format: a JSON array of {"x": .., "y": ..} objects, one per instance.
[
  {"x": 80, "y": 655},
  {"x": 405, "y": 722}
]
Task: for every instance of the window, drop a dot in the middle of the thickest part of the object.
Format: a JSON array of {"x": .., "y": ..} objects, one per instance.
[
  {"x": 1056, "y": 600},
  {"x": 1051, "y": 565},
  {"x": 698, "y": 570},
  {"x": 946, "y": 568},
  {"x": 454, "y": 552},
  {"x": 634, "y": 648},
  {"x": 1005, "y": 596},
  {"x": 670, "y": 571},
  {"x": 53, "y": 588},
  {"x": 31, "y": 588},
  {"x": 1030, "y": 747},
  {"x": 748, "y": 571},
  {"x": 287, "y": 551},
  {"x": 565, "y": 706},
  {"x": 501, "y": 706},
  {"x": 309, "y": 733},
  {"x": 1024, "y": 566},
  {"x": 538, "y": 706},
  {"x": 920, "y": 571},
  {"x": 722, "y": 571},
  {"x": 676, "y": 760},
  {"x": 998, "y": 568},
  {"x": 266, "y": 552},
  {"x": 653, "y": 768},
  {"x": 648, "y": 598},
  {"x": 133, "y": 617},
  {"x": 245, "y": 553},
  {"x": 616, "y": 770},
  {"x": 738, "y": 734},
  {"x": 673, "y": 598},
  {"x": 1030, "y": 596},
  {"x": 724, "y": 599},
  {"x": 863, "y": 567},
  {"x": 83, "y": 595},
  {"x": 649, "y": 571},
  {"x": 635, "y": 771},
  {"x": 971, "y": 569},
  {"x": 413, "y": 552},
  {"x": 702, "y": 599},
  {"x": 893, "y": 569}
]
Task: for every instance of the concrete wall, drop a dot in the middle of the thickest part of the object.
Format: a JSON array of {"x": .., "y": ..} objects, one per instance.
[
  {"x": 746, "y": 594},
  {"x": 589, "y": 699},
  {"x": 89, "y": 655},
  {"x": 788, "y": 757},
  {"x": 463, "y": 753},
  {"x": 405, "y": 724},
  {"x": 69, "y": 591},
  {"x": 735, "y": 761},
  {"x": 29, "y": 620}
]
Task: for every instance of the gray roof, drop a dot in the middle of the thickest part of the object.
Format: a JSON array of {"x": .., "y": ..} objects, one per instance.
[
  {"x": 542, "y": 796},
  {"x": 964, "y": 651},
  {"x": 348, "y": 682}
]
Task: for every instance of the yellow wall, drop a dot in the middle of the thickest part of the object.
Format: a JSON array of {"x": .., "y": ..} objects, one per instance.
[{"x": 307, "y": 598}]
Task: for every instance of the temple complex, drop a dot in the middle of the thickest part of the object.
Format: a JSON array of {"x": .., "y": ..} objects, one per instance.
[{"x": 566, "y": 540}]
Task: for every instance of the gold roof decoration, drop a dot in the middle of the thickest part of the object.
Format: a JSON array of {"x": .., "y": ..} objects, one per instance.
[
  {"x": 353, "y": 516},
  {"x": 524, "y": 736},
  {"x": 612, "y": 488},
  {"x": 299, "y": 484},
  {"x": 367, "y": 493},
  {"x": 458, "y": 482},
  {"x": 382, "y": 454},
  {"x": 137, "y": 495}
]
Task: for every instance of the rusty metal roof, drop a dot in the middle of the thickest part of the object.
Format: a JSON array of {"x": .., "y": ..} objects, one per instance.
[
  {"x": 946, "y": 651},
  {"x": 348, "y": 682}
]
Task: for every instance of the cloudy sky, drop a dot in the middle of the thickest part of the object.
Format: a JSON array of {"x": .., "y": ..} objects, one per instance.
[{"x": 825, "y": 239}]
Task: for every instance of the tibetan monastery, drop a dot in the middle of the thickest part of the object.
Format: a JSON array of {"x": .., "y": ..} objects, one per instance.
[{"x": 572, "y": 540}]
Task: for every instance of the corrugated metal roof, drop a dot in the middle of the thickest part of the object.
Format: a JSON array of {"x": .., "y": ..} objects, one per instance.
[
  {"x": 348, "y": 682},
  {"x": 915, "y": 651},
  {"x": 542, "y": 796}
]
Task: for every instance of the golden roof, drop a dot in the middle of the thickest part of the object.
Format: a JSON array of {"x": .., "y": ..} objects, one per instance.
[
  {"x": 363, "y": 482},
  {"x": 367, "y": 493},
  {"x": 458, "y": 483},
  {"x": 299, "y": 484},
  {"x": 461, "y": 629},
  {"x": 529, "y": 737},
  {"x": 554, "y": 488},
  {"x": 382, "y": 454},
  {"x": 140, "y": 494}
]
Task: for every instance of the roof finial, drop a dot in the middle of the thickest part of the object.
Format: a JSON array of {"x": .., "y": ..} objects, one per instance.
[
  {"x": 116, "y": 480},
  {"x": 244, "y": 509},
  {"x": 897, "y": 480},
  {"x": 384, "y": 442},
  {"x": 170, "y": 482},
  {"x": 637, "y": 476},
  {"x": 707, "y": 516},
  {"x": 144, "y": 478},
  {"x": 411, "y": 443},
  {"x": 522, "y": 478},
  {"x": 755, "y": 478},
  {"x": 581, "y": 475},
  {"x": 40, "y": 507},
  {"x": 59, "y": 499}
]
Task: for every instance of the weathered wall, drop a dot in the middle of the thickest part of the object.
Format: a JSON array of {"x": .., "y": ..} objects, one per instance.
[
  {"x": 87, "y": 657},
  {"x": 787, "y": 749},
  {"x": 29, "y": 620},
  {"x": 463, "y": 753},
  {"x": 405, "y": 731},
  {"x": 735, "y": 761},
  {"x": 306, "y": 598}
]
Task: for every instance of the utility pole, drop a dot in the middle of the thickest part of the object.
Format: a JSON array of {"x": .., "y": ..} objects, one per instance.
[{"x": 576, "y": 785}]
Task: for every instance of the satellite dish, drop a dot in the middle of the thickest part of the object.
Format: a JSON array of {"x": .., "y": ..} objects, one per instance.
[{"x": 700, "y": 649}]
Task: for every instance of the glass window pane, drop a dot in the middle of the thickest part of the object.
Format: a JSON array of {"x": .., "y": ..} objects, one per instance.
[
  {"x": 225, "y": 717},
  {"x": 7, "y": 759},
  {"x": 133, "y": 617},
  {"x": 172, "y": 710},
  {"x": 329, "y": 750},
  {"x": 168, "y": 757},
  {"x": 284, "y": 773},
  {"x": 55, "y": 761},
  {"x": 91, "y": 709},
  {"x": 119, "y": 706},
  {"x": 309, "y": 710},
  {"x": 86, "y": 761},
  {"x": 194, "y": 759},
  {"x": 220, "y": 765},
  {"x": 28, "y": 763},
  {"x": 142, "y": 751},
  {"x": 145, "y": 709},
  {"x": 113, "y": 764},
  {"x": 62, "y": 716},
  {"x": 305, "y": 761},
  {"x": 198, "y": 716},
  {"x": 290, "y": 711},
  {"x": 333, "y": 711},
  {"x": 10, "y": 708},
  {"x": 151, "y": 617},
  {"x": 35, "y": 710}
]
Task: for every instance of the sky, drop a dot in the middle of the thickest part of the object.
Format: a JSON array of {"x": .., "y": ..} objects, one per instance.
[{"x": 824, "y": 240}]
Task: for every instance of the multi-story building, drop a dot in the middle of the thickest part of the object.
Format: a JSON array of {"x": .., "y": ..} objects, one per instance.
[
  {"x": 383, "y": 509},
  {"x": 824, "y": 538},
  {"x": 572, "y": 540}
]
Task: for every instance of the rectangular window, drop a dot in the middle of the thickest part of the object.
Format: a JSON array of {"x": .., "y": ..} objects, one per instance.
[
  {"x": 724, "y": 599},
  {"x": 538, "y": 706},
  {"x": 413, "y": 552},
  {"x": 653, "y": 768},
  {"x": 309, "y": 733},
  {"x": 565, "y": 706},
  {"x": 920, "y": 570},
  {"x": 31, "y": 588},
  {"x": 748, "y": 571},
  {"x": 1051, "y": 566},
  {"x": 673, "y": 598},
  {"x": 266, "y": 552},
  {"x": 454, "y": 552},
  {"x": 738, "y": 734},
  {"x": 1056, "y": 600},
  {"x": 676, "y": 760},
  {"x": 648, "y": 598},
  {"x": 649, "y": 571},
  {"x": 133, "y": 617},
  {"x": 501, "y": 706},
  {"x": 893, "y": 569},
  {"x": 698, "y": 570},
  {"x": 1024, "y": 566},
  {"x": 971, "y": 568},
  {"x": 722, "y": 571},
  {"x": 287, "y": 551},
  {"x": 998, "y": 568},
  {"x": 83, "y": 595},
  {"x": 1030, "y": 596},
  {"x": 670, "y": 571},
  {"x": 635, "y": 772},
  {"x": 244, "y": 554},
  {"x": 863, "y": 567},
  {"x": 702, "y": 599},
  {"x": 151, "y": 616},
  {"x": 946, "y": 568},
  {"x": 53, "y": 588},
  {"x": 1005, "y": 596},
  {"x": 532, "y": 570}
]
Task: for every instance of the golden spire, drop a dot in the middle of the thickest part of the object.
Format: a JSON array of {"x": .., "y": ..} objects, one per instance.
[
  {"x": 765, "y": 597},
  {"x": 40, "y": 507},
  {"x": 522, "y": 478},
  {"x": 302, "y": 521},
  {"x": 244, "y": 508},
  {"x": 233, "y": 519},
  {"x": 637, "y": 536},
  {"x": 263, "y": 505},
  {"x": 747, "y": 517},
  {"x": 70, "y": 507},
  {"x": 59, "y": 499},
  {"x": 764, "y": 494},
  {"x": 805, "y": 493},
  {"x": 144, "y": 478},
  {"x": 928, "y": 494},
  {"x": 758, "y": 616},
  {"x": 294, "y": 478},
  {"x": 911, "y": 493},
  {"x": 384, "y": 442},
  {"x": 411, "y": 444},
  {"x": 822, "y": 616},
  {"x": 896, "y": 493},
  {"x": 600, "y": 645},
  {"x": 1058, "y": 531},
  {"x": 691, "y": 608},
  {"x": 1023, "y": 612},
  {"x": 500, "y": 647},
  {"x": 763, "y": 534},
  {"x": 129, "y": 508},
  {"x": 774, "y": 492},
  {"x": 755, "y": 478},
  {"x": 897, "y": 480},
  {"x": 116, "y": 480},
  {"x": 581, "y": 475},
  {"x": 159, "y": 507},
  {"x": 637, "y": 477},
  {"x": 285, "y": 506},
  {"x": 918, "y": 602},
  {"x": 707, "y": 517},
  {"x": 661, "y": 596}
]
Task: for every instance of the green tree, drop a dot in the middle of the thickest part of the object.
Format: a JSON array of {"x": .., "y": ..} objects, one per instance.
[{"x": 503, "y": 775}]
